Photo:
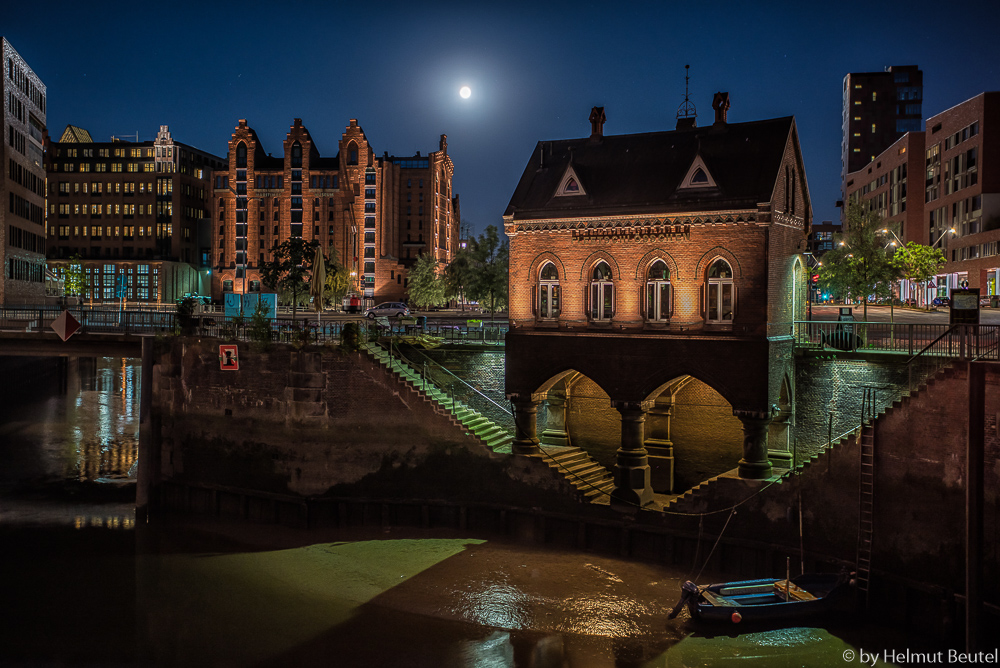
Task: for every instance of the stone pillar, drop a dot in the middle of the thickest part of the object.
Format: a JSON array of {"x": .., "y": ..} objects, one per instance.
[
  {"x": 659, "y": 446},
  {"x": 631, "y": 472},
  {"x": 755, "y": 464},
  {"x": 526, "y": 423},
  {"x": 555, "y": 428},
  {"x": 779, "y": 449}
]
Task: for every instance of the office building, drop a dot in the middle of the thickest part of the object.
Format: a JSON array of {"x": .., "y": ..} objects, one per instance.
[
  {"x": 131, "y": 211},
  {"x": 22, "y": 182}
]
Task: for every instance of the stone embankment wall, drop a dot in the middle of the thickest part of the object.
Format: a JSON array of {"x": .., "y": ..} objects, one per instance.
[
  {"x": 314, "y": 423},
  {"x": 919, "y": 497}
]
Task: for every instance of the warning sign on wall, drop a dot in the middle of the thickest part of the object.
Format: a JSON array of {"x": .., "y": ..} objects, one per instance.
[{"x": 229, "y": 358}]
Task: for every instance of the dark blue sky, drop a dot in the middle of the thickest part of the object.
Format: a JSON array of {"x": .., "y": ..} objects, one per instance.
[{"x": 535, "y": 70}]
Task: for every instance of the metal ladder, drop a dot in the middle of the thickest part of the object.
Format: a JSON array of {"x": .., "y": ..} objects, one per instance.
[{"x": 866, "y": 502}]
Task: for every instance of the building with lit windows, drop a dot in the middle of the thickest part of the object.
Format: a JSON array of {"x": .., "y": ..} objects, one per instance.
[
  {"x": 941, "y": 187},
  {"x": 377, "y": 214},
  {"x": 878, "y": 108},
  {"x": 22, "y": 182},
  {"x": 652, "y": 274},
  {"x": 132, "y": 212}
]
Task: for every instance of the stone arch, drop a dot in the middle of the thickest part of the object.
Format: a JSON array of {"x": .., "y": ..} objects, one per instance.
[
  {"x": 691, "y": 434},
  {"x": 713, "y": 254},
  {"x": 651, "y": 257},
  {"x": 591, "y": 261},
  {"x": 539, "y": 260}
]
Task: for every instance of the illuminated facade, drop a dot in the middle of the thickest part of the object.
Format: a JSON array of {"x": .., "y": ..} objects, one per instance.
[
  {"x": 642, "y": 261},
  {"x": 132, "y": 212},
  {"x": 941, "y": 187},
  {"x": 377, "y": 214},
  {"x": 878, "y": 108},
  {"x": 22, "y": 182}
]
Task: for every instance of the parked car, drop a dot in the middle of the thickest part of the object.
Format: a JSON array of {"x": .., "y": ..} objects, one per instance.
[
  {"x": 941, "y": 301},
  {"x": 389, "y": 310}
]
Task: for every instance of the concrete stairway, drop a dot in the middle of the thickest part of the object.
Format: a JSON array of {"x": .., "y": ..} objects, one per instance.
[
  {"x": 496, "y": 438},
  {"x": 594, "y": 482}
]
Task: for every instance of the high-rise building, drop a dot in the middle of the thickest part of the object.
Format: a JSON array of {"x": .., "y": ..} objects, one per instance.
[
  {"x": 954, "y": 204},
  {"x": 131, "y": 212},
  {"x": 376, "y": 214},
  {"x": 22, "y": 182},
  {"x": 879, "y": 107}
]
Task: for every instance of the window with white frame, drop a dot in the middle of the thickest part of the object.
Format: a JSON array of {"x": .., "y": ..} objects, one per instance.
[
  {"x": 721, "y": 298},
  {"x": 602, "y": 293},
  {"x": 548, "y": 291},
  {"x": 658, "y": 292}
]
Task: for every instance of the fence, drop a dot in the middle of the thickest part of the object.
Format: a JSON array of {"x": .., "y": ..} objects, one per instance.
[{"x": 940, "y": 340}]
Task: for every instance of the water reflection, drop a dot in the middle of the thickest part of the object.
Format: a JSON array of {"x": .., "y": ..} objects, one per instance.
[{"x": 88, "y": 434}]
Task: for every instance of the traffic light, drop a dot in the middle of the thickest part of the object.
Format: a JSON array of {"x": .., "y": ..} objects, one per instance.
[{"x": 815, "y": 278}]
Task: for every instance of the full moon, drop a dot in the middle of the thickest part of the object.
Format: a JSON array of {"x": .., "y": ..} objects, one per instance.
[{"x": 465, "y": 91}]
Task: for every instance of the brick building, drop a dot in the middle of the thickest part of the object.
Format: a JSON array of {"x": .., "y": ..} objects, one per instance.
[
  {"x": 641, "y": 262},
  {"x": 955, "y": 204},
  {"x": 378, "y": 214},
  {"x": 22, "y": 182},
  {"x": 878, "y": 108},
  {"x": 132, "y": 212}
]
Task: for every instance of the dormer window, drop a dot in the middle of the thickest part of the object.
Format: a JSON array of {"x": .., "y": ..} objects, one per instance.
[
  {"x": 698, "y": 176},
  {"x": 570, "y": 184}
]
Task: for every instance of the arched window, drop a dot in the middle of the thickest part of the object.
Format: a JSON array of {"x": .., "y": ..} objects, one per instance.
[
  {"x": 658, "y": 292},
  {"x": 296, "y": 154},
  {"x": 721, "y": 301},
  {"x": 602, "y": 293},
  {"x": 241, "y": 156},
  {"x": 352, "y": 154},
  {"x": 548, "y": 291}
]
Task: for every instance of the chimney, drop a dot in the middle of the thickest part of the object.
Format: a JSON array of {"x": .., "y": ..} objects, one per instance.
[
  {"x": 597, "y": 119},
  {"x": 721, "y": 105},
  {"x": 443, "y": 144}
]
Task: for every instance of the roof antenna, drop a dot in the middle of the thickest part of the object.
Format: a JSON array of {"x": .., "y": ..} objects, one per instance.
[{"x": 687, "y": 110}]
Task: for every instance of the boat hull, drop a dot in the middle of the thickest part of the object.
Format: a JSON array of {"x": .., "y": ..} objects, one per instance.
[{"x": 767, "y": 599}]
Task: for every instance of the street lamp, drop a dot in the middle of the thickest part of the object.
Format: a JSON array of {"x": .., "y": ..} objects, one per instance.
[{"x": 950, "y": 229}]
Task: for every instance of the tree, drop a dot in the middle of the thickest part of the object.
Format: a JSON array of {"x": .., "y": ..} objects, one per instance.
[
  {"x": 860, "y": 266},
  {"x": 489, "y": 270},
  {"x": 338, "y": 279},
  {"x": 919, "y": 263},
  {"x": 426, "y": 287},
  {"x": 74, "y": 280},
  {"x": 287, "y": 272},
  {"x": 458, "y": 276}
]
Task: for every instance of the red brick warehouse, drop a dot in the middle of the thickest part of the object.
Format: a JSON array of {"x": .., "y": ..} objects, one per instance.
[
  {"x": 642, "y": 263},
  {"x": 378, "y": 214}
]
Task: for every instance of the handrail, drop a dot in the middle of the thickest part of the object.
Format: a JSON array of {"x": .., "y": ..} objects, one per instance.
[
  {"x": 505, "y": 409},
  {"x": 925, "y": 348}
]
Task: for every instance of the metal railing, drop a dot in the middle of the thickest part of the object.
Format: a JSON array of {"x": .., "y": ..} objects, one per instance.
[
  {"x": 941, "y": 340},
  {"x": 459, "y": 389}
]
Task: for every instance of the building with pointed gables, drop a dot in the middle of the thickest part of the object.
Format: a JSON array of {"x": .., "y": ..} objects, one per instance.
[
  {"x": 647, "y": 266},
  {"x": 377, "y": 214}
]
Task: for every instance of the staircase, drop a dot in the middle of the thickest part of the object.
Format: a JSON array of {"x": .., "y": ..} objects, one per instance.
[
  {"x": 594, "y": 482},
  {"x": 496, "y": 438}
]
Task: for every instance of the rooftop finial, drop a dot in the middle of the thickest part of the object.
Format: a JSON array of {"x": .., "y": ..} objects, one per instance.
[{"x": 687, "y": 110}]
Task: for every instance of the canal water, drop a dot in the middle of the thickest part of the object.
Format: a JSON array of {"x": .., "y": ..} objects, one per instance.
[{"x": 84, "y": 584}]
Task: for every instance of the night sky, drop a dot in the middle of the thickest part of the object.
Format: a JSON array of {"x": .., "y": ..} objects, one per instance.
[{"x": 535, "y": 70}]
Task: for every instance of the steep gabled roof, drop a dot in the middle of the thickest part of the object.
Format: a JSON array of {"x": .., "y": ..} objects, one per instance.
[
  {"x": 642, "y": 173},
  {"x": 75, "y": 135}
]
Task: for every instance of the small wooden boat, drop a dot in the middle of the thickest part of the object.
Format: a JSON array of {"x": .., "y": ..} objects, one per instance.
[{"x": 766, "y": 599}]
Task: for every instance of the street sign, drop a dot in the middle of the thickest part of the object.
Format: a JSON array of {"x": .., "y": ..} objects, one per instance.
[
  {"x": 65, "y": 325},
  {"x": 229, "y": 358}
]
